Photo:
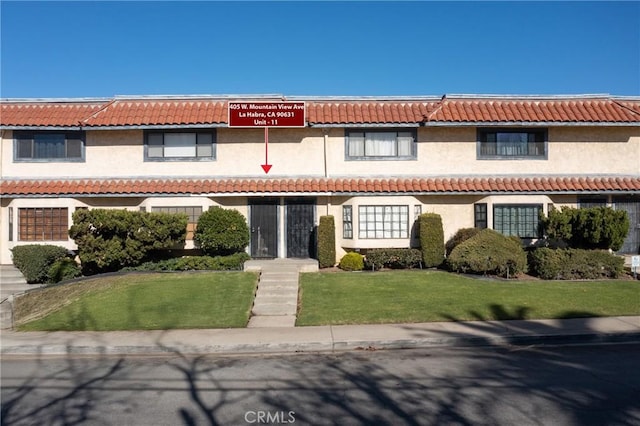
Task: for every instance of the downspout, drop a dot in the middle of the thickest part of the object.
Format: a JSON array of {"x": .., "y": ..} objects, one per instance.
[
  {"x": 325, "y": 132},
  {"x": 2, "y": 135}
]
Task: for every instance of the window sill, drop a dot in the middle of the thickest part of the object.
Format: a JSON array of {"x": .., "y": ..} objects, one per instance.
[{"x": 178, "y": 159}]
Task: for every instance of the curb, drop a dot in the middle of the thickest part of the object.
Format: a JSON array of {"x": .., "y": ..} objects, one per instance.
[{"x": 329, "y": 346}]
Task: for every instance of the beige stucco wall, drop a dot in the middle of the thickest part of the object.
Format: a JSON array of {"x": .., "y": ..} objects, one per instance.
[{"x": 442, "y": 151}]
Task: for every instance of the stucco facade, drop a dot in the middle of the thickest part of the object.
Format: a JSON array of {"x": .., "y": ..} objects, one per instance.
[{"x": 588, "y": 155}]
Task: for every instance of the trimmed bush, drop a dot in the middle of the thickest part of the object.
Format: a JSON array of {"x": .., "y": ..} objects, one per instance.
[
  {"x": 489, "y": 252},
  {"x": 232, "y": 262},
  {"x": 326, "y": 242},
  {"x": 221, "y": 232},
  {"x": 574, "y": 264},
  {"x": 63, "y": 269},
  {"x": 35, "y": 260},
  {"x": 393, "y": 258},
  {"x": 431, "y": 239},
  {"x": 461, "y": 235},
  {"x": 352, "y": 261},
  {"x": 109, "y": 240},
  {"x": 593, "y": 228}
]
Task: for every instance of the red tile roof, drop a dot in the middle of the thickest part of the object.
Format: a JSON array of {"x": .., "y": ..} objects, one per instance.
[
  {"x": 532, "y": 111},
  {"x": 18, "y": 188},
  {"x": 46, "y": 114},
  {"x": 206, "y": 111},
  {"x": 168, "y": 112}
]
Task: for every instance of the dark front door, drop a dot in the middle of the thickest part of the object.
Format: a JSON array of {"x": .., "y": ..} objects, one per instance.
[
  {"x": 300, "y": 228},
  {"x": 264, "y": 228},
  {"x": 631, "y": 205}
]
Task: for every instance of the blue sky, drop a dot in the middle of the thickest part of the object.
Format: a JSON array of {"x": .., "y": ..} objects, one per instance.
[{"x": 102, "y": 49}]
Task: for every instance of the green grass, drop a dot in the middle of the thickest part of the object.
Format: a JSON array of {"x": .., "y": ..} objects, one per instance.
[
  {"x": 423, "y": 296},
  {"x": 141, "y": 302}
]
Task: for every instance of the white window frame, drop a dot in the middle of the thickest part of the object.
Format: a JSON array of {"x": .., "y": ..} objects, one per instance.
[
  {"x": 180, "y": 145},
  {"x": 380, "y": 144}
]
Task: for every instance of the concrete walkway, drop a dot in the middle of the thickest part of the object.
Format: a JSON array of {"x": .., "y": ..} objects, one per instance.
[
  {"x": 325, "y": 338},
  {"x": 12, "y": 283},
  {"x": 276, "y": 301}
]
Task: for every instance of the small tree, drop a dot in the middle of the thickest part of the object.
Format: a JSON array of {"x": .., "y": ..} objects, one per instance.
[
  {"x": 221, "y": 232},
  {"x": 109, "y": 240},
  {"x": 432, "y": 239},
  {"x": 592, "y": 228},
  {"x": 326, "y": 242}
]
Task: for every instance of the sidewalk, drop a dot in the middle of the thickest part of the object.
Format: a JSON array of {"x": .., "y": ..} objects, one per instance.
[{"x": 325, "y": 338}]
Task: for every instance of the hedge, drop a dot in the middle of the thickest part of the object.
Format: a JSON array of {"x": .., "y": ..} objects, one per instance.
[
  {"x": 109, "y": 240},
  {"x": 431, "y": 239},
  {"x": 34, "y": 261},
  {"x": 489, "y": 252},
  {"x": 461, "y": 235},
  {"x": 222, "y": 232},
  {"x": 232, "y": 262},
  {"x": 574, "y": 264},
  {"x": 326, "y": 242},
  {"x": 589, "y": 228},
  {"x": 402, "y": 258}
]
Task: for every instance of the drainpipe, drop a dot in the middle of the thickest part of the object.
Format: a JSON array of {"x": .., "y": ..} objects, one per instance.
[
  {"x": 325, "y": 131},
  {"x": 2, "y": 135}
]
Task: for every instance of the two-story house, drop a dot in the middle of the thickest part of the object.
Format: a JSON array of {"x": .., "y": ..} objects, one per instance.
[{"x": 375, "y": 164}]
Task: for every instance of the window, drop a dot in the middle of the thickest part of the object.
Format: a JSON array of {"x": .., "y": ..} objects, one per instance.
[
  {"x": 480, "y": 215},
  {"x": 512, "y": 143},
  {"x": 193, "y": 213},
  {"x": 49, "y": 146},
  {"x": 163, "y": 146},
  {"x": 383, "y": 221},
  {"x": 380, "y": 144},
  {"x": 347, "y": 222},
  {"x": 518, "y": 220},
  {"x": 43, "y": 224},
  {"x": 585, "y": 203}
]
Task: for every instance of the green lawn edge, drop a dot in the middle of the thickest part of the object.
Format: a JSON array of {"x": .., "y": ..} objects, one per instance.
[
  {"x": 154, "y": 301},
  {"x": 428, "y": 296}
]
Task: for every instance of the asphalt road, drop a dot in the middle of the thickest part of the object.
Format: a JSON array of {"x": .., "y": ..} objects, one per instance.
[{"x": 571, "y": 385}]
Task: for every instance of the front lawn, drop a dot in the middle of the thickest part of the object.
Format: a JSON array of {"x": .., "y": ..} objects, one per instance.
[
  {"x": 422, "y": 296},
  {"x": 141, "y": 302}
]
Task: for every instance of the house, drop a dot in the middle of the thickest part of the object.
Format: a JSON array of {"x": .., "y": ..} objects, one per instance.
[{"x": 375, "y": 164}]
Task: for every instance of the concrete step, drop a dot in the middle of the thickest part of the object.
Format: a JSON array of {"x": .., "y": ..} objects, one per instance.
[
  {"x": 271, "y": 309},
  {"x": 272, "y": 321},
  {"x": 278, "y": 292},
  {"x": 278, "y": 277},
  {"x": 278, "y": 284}
]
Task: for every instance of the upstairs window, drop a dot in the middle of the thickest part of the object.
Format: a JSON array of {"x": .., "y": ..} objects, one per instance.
[
  {"x": 380, "y": 145},
  {"x": 181, "y": 146},
  {"x": 49, "y": 146},
  {"x": 512, "y": 143}
]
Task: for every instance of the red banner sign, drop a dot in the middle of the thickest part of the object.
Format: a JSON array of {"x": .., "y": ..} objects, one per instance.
[{"x": 266, "y": 114}]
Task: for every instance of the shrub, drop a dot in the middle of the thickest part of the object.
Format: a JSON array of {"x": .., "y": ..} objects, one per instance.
[
  {"x": 393, "y": 258},
  {"x": 232, "y": 262},
  {"x": 352, "y": 261},
  {"x": 109, "y": 240},
  {"x": 63, "y": 269},
  {"x": 326, "y": 242},
  {"x": 431, "y": 239},
  {"x": 489, "y": 252},
  {"x": 35, "y": 260},
  {"x": 222, "y": 232},
  {"x": 592, "y": 228},
  {"x": 574, "y": 264},
  {"x": 461, "y": 235}
]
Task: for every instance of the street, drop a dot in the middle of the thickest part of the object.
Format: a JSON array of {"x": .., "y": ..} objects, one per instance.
[{"x": 563, "y": 385}]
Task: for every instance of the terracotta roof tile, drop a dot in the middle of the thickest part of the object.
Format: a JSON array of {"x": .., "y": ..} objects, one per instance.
[
  {"x": 150, "y": 112},
  {"x": 49, "y": 115}
]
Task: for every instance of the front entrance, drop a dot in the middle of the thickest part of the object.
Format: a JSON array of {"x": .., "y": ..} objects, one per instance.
[
  {"x": 300, "y": 220},
  {"x": 264, "y": 228},
  {"x": 282, "y": 227},
  {"x": 631, "y": 205}
]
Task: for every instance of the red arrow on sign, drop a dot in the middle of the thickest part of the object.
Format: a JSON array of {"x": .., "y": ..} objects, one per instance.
[{"x": 266, "y": 166}]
